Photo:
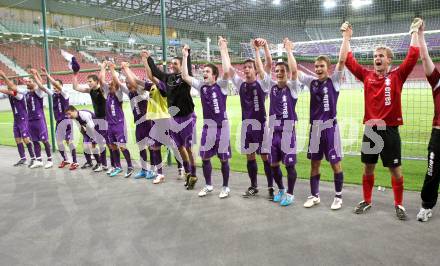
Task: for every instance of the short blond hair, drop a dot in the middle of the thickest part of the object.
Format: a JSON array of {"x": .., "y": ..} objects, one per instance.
[
  {"x": 324, "y": 58},
  {"x": 387, "y": 50}
]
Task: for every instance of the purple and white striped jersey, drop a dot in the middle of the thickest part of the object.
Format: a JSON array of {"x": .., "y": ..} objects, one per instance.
[
  {"x": 323, "y": 95},
  {"x": 60, "y": 102},
  {"x": 114, "y": 114},
  {"x": 282, "y": 103},
  {"x": 34, "y": 102},
  {"x": 252, "y": 97},
  {"x": 213, "y": 98},
  {"x": 18, "y": 106}
]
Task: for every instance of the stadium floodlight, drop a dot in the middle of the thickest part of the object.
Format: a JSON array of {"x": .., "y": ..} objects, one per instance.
[
  {"x": 276, "y": 2},
  {"x": 328, "y": 4},
  {"x": 360, "y": 3}
]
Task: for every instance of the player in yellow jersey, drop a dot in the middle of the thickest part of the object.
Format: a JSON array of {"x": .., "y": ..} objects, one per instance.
[{"x": 159, "y": 117}]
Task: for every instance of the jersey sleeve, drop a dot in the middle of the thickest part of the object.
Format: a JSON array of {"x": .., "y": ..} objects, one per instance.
[
  {"x": 49, "y": 91},
  {"x": 65, "y": 94},
  {"x": 162, "y": 89},
  {"x": 22, "y": 91},
  {"x": 409, "y": 63},
  {"x": 355, "y": 68},
  {"x": 196, "y": 84},
  {"x": 266, "y": 82},
  {"x": 434, "y": 80},
  {"x": 88, "y": 118},
  {"x": 336, "y": 78},
  {"x": 120, "y": 94},
  {"x": 105, "y": 89},
  {"x": 124, "y": 89},
  {"x": 305, "y": 79},
  {"x": 223, "y": 83},
  {"x": 147, "y": 85},
  {"x": 19, "y": 96},
  {"x": 237, "y": 81},
  {"x": 40, "y": 93},
  {"x": 295, "y": 88}
]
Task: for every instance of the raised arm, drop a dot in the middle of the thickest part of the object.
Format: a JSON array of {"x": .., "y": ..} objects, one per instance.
[
  {"x": 258, "y": 62},
  {"x": 412, "y": 56},
  {"x": 7, "y": 92},
  {"x": 347, "y": 32},
  {"x": 115, "y": 75},
  {"x": 155, "y": 70},
  {"x": 428, "y": 65},
  {"x": 39, "y": 81},
  {"x": 355, "y": 68},
  {"x": 185, "y": 72},
  {"x": 132, "y": 80},
  {"x": 267, "y": 57},
  {"x": 76, "y": 86},
  {"x": 414, "y": 29},
  {"x": 9, "y": 83},
  {"x": 228, "y": 71},
  {"x": 51, "y": 79},
  {"x": 101, "y": 76},
  {"x": 145, "y": 55},
  {"x": 288, "y": 45}
]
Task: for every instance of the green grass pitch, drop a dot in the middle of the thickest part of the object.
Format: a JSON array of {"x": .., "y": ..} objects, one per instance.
[{"x": 418, "y": 113}]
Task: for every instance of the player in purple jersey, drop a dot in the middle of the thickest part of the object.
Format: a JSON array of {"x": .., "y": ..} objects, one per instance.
[
  {"x": 21, "y": 131},
  {"x": 215, "y": 134},
  {"x": 117, "y": 130},
  {"x": 97, "y": 148},
  {"x": 63, "y": 129},
  {"x": 253, "y": 93},
  {"x": 37, "y": 120},
  {"x": 283, "y": 97},
  {"x": 139, "y": 100},
  {"x": 324, "y": 131}
]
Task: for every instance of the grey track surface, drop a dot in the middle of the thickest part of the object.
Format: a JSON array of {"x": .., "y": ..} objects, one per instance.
[{"x": 56, "y": 217}]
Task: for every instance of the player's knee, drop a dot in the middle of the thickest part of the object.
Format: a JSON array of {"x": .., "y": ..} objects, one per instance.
[
  {"x": 395, "y": 171},
  {"x": 337, "y": 167},
  {"x": 251, "y": 157},
  {"x": 275, "y": 164},
  {"x": 369, "y": 169}
]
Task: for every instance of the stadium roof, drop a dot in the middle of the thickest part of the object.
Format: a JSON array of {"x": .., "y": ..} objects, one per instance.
[{"x": 217, "y": 11}]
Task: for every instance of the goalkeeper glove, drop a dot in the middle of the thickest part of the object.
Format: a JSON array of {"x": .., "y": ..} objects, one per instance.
[
  {"x": 345, "y": 26},
  {"x": 415, "y": 25}
]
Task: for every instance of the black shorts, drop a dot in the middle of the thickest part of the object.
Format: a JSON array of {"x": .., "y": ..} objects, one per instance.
[{"x": 390, "y": 154}]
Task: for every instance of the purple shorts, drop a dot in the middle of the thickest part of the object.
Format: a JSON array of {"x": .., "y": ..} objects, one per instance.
[
  {"x": 63, "y": 130},
  {"x": 21, "y": 129},
  {"x": 215, "y": 141},
  {"x": 327, "y": 142},
  {"x": 38, "y": 130},
  {"x": 184, "y": 136},
  {"x": 116, "y": 134},
  {"x": 254, "y": 140},
  {"x": 143, "y": 130},
  {"x": 160, "y": 133},
  {"x": 283, "y": 147}
]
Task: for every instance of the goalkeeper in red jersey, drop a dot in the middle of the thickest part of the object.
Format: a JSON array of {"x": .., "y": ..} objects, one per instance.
[
  {"x": 432, "y": 178},
  {"x": 383, "y": 116}
]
